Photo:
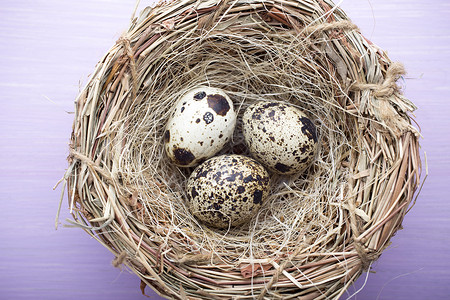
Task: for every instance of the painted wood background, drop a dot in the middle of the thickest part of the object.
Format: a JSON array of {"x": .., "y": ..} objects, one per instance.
[{"x": 47, "y": 50}]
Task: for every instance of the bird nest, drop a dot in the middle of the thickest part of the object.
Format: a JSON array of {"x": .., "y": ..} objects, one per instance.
[{"x": 317, "y": 231}]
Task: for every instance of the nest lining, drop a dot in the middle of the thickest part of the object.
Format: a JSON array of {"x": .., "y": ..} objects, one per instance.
[{"x": 317, "y": 231}]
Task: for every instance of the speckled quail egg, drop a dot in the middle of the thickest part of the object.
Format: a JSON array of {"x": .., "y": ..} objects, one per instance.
[
  {"x": 202, "y": 121},
  {"x": 279, "y": 136},
  {"x": 227, "y": 190}
]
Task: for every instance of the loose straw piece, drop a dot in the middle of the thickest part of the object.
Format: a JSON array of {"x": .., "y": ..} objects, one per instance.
[{"x": 345, "y": 25}]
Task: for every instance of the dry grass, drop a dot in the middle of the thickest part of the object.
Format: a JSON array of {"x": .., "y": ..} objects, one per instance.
[{"x": 318, "y": 231}]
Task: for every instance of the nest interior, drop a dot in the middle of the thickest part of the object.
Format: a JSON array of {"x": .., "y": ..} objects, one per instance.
[{"x": 318, "y": 231}]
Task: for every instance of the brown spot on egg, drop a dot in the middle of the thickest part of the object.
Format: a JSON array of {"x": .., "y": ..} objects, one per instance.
[
  {"x": 182, "y": 109},
  {"x": 258, "y": 178},
  {"x": 304, "y": 149},
  {"x": 282, "y": 168},
  {"x": 240, "y": 189},
  {"x": 217, "y": 206},
  {"x": 232, "y": 176},
  {"x": 220, "y": 216},
  {"x": 200, "y": 95},
  {"x": 257, "y": 197},
  {"x": 308, "y": 129},
  {"x": 167, "y": 136},
  {"x": 248, "y": 179},
  {"x": 193, "y": 193},
  {"x": 208, "y": 117},
  {"x": 217, "y": 176},
  {"x": 201, "y": 173},
  {"x": 219, "y": 104},
  {"x": 270, "y": 104},
  {"x": 183, "y": 157},
  {"x": 256, "y": 116},
  {"x": 198, "y": 120}
]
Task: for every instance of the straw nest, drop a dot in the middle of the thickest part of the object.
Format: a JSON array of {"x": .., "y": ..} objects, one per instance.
[{"x": 318, "y": 231}]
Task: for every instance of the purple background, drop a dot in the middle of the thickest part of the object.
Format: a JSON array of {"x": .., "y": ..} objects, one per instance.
[{"x": 47, "y": 47}]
